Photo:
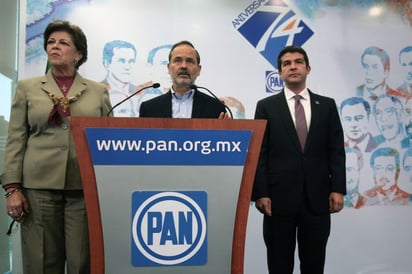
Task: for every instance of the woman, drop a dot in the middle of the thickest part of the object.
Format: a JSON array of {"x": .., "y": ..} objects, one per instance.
[{"x": 41, "y": 174}]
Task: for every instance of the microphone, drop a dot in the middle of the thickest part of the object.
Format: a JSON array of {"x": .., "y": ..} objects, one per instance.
[
  {"x": 193, "y": 86},
  {"x": 155, "y": 85}
]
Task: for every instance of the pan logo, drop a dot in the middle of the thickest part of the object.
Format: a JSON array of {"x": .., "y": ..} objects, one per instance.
[
  {"x": 271, "y": 26},
  {"x": 169, "y": 228},
  {"x": 274, "y": 82}
]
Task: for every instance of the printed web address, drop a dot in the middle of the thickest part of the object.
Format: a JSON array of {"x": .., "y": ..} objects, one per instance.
[{"x": 149, "y": 146}]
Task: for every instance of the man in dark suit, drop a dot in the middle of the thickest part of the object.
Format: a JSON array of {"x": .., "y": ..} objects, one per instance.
[
  {"x": 181, "y": 101},
  {"x": 300, "y": 177}
]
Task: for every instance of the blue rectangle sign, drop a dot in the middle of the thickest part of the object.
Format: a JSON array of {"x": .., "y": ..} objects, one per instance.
[{"x": 126, "y": 146}]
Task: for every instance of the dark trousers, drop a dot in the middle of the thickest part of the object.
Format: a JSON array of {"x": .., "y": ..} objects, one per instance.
[{"x": 310, "y": 231}]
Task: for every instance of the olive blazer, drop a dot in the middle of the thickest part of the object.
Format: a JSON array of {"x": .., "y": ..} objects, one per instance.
[{"x": 41, "y": 156}]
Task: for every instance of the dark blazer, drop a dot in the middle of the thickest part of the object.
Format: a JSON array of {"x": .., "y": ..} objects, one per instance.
[
  {"x": 204, "y": 106},
  {"x": 287, "y": 174}
]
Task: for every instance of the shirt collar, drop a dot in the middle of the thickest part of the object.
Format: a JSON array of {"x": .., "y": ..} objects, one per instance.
[
  {"x": 187, "y": 95},
  {"x": 290, "y": 94}
]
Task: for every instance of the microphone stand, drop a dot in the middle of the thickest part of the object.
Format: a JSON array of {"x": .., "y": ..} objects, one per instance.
[
  {"x": 155, "y": 85},
  {"x": 193, "y": 86}
]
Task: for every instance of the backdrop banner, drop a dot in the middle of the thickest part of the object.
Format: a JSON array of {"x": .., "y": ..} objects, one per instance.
[{"x": 360, "y": 53}]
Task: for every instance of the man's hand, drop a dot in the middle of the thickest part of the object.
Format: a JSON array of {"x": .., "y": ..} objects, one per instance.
[
  {"x": 335, "y": 202},
  {"x": 224, "y": 115},
  {"x": 264, "y": 205}
]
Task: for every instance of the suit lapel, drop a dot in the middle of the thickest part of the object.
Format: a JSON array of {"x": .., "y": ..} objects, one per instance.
[
  {"x": 314, "y": 120},
  {"x": 49, "y": 85},
  {"x": 197, "y": 105},
  {"x": 79, "y": 85},
  {"x": 166, "y": 105}
]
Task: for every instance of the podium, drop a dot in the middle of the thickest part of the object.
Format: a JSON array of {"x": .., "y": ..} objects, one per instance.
[{"x": 167, "y": 195}]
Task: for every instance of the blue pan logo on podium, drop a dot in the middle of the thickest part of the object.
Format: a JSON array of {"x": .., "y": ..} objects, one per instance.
[
  {"x": 270, "y": 26},
  {"x": 169, "y": 228}
]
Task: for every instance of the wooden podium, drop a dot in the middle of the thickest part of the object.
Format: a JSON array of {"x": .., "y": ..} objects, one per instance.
[{"x": 102, "y": 198}]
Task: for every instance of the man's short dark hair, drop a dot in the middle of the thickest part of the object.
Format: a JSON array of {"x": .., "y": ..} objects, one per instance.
[
  {"x": 187, "y": 43},
  {"x": 292, "y": 49}
]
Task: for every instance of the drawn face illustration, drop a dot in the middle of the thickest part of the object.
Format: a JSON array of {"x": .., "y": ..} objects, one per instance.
[
  {"x": 388, "y": 118},
  {"x": 121, "y": 66},
  {"x": 374, "y": 71},
  {"x": 405, "y": 60},
  {"x": 355, "y": 121},
  {"x": 384, "y": 171}
]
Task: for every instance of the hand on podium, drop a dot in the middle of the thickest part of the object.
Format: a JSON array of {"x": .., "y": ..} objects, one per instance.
[{"x": 224, "y": 115}]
